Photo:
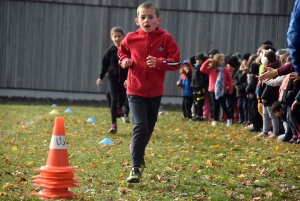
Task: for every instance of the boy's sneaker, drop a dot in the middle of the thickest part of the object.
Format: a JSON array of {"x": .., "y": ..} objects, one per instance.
[
  {"x": 263, "y": 135},
  {"x": 113, "y": 129},
  {"x": 125, "y": 118},
  {"x": 134, "y": 176},
  {"x": 229, "y": 122},
  {"x": 214, "y": 123}
]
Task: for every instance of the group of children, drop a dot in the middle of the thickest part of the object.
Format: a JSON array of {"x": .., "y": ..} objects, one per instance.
[
  {"x": 139, "y": 61},
  {"x": 237, "y": 85},
  {"x": 207, "y": 83}
]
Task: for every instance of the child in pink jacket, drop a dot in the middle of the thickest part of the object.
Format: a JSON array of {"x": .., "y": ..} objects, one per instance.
[{"x": 220, "y": 82}]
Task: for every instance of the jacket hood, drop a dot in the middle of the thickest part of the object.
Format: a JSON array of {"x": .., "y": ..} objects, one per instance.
[{"x": 158, "y": 31}]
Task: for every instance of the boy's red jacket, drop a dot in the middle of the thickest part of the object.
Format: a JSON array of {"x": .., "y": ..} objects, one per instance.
[{"x": 142, "y": 80}]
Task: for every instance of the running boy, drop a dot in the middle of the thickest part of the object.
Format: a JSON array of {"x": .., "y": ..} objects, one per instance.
[{"x": 147, "y": 53}]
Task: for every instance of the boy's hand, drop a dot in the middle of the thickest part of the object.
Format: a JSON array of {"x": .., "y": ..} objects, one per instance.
[
  {"x": 151, "y": 61},
  {"x": 263, "y": 101},
  {"x": 99, "y": 82},
  {"x": 126, "y": 63}
]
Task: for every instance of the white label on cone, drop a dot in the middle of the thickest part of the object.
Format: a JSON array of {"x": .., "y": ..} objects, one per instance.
[{"x": 58, "y": 142}]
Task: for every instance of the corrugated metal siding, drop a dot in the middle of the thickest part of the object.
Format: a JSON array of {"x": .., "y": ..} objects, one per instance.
[
  {"x": 273, "y": 7},
  {"x": 58, "y": 44}
]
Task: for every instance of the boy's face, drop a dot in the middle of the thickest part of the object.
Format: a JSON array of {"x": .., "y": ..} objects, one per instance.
[{"x": 147, "y": 20}]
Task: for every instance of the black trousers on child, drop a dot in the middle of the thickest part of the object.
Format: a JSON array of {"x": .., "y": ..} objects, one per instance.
[
  {"x": 231, "y": 101},
  {"x": 187, "y": 103},
  {"x": 118, "y": 95},
  {"x": 144, "y": 116},
  {"x": 216, "y": 103},
  {"x": 199, "y": 96}
]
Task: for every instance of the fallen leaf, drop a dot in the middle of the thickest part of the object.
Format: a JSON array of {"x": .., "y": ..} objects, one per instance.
[
  {"x": 30, "y": 163},
  {"x": 159, "y": 191},
  {"x": 263, "y": 171},
  {"x": 209, "y": 163},
  {"x": 14, "y": 148},
  {"x": 121, "y": 176},
  {"x": 269, "y": 194},
  {"x": 7, "y": 185}
]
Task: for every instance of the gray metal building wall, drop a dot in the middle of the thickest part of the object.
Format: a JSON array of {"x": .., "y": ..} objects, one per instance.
[{"x": 58, "y": 45}]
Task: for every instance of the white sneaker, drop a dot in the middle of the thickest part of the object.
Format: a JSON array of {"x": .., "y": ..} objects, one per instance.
[
  {"x": 125, "y": 119},
  {"x": 249, "y": 126},
  {"x": 214, "y": 123},
  {"x": 229, "y": 122},
  {"x": 160, "y": 110}
]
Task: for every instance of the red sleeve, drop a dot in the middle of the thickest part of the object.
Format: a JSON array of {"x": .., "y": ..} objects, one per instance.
[
  {"x": 204, "y": 68},
  {"x": 124, "y": 50},
  {"x": 173, "y": 61}
]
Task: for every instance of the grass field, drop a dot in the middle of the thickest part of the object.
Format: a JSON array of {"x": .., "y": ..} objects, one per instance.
[{"x": 185, "y": 160}]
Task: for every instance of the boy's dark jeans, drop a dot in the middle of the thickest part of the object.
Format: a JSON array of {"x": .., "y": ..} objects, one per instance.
[{"x": 144, "y": 116}]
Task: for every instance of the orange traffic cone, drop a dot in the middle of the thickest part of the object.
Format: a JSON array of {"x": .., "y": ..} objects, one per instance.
[{"x": 57, "y": 176}]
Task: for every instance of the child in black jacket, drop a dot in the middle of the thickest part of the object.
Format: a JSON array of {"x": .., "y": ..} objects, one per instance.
[
  {"x": 250, "y": 89},
  {"x": 116, "y": 77},
  {"x": 199, "y": 84}
]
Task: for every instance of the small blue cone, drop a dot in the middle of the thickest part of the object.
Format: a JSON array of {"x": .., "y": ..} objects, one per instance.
[
  {"x": 68, "y": 110},
  {"x": 106, "y": 141},
  {"x": 92, "y": 120},
  {"x": 53, "y": 105}
]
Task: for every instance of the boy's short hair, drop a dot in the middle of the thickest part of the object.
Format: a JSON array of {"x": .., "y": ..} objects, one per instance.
[
  {"x": 276, "y": 106},
  {"x": 148, "y": 5}
]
